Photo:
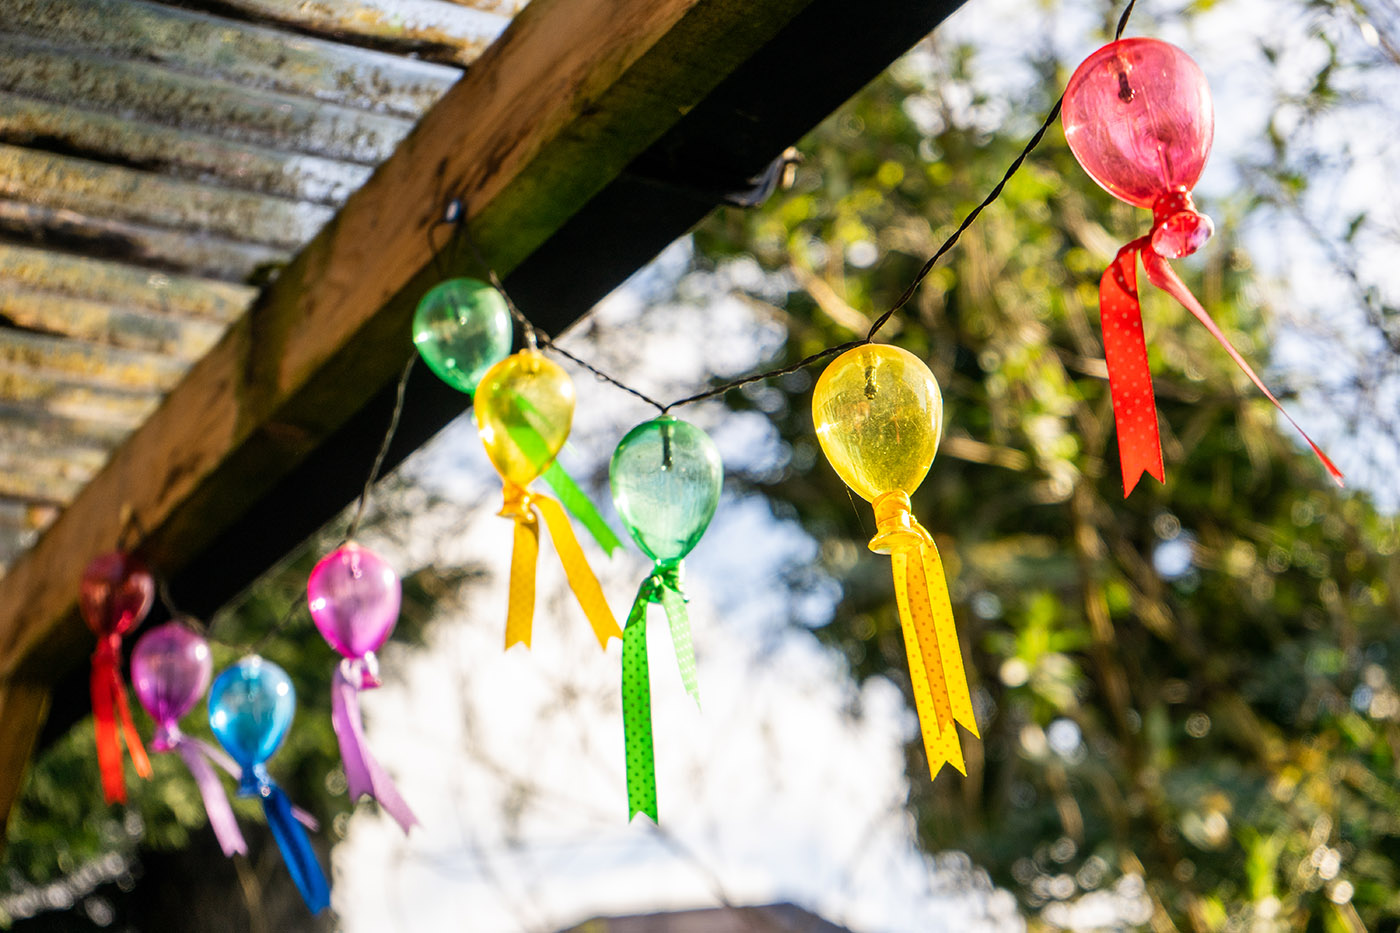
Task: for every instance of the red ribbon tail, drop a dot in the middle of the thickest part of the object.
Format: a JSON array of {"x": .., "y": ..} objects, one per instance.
[
  {"x": 134, "y": 748},
  {"x": 109, "y": 751},
  {"x": 1160, "y": 274},
  {"x": 1129, "y": 378}
]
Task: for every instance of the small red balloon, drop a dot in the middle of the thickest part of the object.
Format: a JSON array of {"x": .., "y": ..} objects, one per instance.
[
  {"x": 1138, "y": 117},
  {"x": 117, "y": 592}
]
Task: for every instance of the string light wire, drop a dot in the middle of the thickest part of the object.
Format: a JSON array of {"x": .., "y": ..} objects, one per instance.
[{"x": 454, "y": 214}]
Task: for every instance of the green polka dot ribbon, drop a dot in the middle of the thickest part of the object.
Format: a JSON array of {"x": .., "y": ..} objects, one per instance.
[{"x": 664, "y": 587}]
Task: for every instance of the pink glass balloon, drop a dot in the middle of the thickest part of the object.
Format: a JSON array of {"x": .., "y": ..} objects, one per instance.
[
  {"x": 354, "y": 597},
  {"x": 116, "y": 593},
  {"x": 1138, "y": 117},
  {"x": 170, "y": 670}
]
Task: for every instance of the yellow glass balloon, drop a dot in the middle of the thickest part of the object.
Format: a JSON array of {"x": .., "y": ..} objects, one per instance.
[
  {"x": 879, "y": 418},
  {"x": 524, "y": 410}
]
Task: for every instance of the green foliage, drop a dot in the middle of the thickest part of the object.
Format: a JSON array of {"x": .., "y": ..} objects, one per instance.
[{"x": 1227, "y": 733}]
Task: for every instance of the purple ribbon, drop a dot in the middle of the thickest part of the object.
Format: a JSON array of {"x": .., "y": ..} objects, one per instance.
[
  {"x": 364, "y": 774},
  {"x": 215, "y": 800},
  {"x": 200, "y": 757}
]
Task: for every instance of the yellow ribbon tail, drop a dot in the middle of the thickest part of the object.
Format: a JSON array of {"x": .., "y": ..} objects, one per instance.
[
  {"x": 524, "y": 557},
  {"x": 581, "y": 579},
  {"x": 925, "y": 669},
  {"x": 949, "y": 649}
]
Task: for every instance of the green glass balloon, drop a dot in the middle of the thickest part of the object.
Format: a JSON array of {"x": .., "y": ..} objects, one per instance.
[
  {"x": 462, "y": 329},
  {"x": 666, "y": 476}
]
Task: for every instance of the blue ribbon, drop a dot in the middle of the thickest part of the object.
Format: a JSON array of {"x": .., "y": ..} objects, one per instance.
[{"x": 301, "y": 860}]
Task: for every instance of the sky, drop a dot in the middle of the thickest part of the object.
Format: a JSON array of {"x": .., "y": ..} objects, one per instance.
[{"x": 787, "y": 784}]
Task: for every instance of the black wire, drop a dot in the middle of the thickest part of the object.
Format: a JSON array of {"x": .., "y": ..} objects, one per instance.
[
  {"x": 880, "y": 322},
  {"x": 455, "y": 215}
]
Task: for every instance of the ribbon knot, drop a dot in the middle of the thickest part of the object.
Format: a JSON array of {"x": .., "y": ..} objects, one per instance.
[
  {"x": 517, "y": 503},
  {"x": 1178, "y": 229},
  {"x": 896, "y": 529},
  {"x": 664, "y": 577}
]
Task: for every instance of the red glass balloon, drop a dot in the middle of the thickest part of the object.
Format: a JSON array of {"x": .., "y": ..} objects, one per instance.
[
  {"x": 117, "y": 592},
  {"x": 1138, "y": 117}
]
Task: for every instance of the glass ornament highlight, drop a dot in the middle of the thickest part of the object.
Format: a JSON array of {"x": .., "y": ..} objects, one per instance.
[
  {"x": 170, "y": 670},
  {"x": 461, "y": 329},
  {"x": 524, "y": 410},
  {"x": 1138, "y": 117},
  {"x": 116, "y": 594},
  {"x": 251, "y": 706},
  {"x": 878, "y": 415},
  {"x": 354, "y": 597},
  {"x": 666, "y": 476}
]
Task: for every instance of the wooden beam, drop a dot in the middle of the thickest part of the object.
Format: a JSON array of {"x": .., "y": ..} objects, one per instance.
[
  {"x": 571, "y": 93},
  {"x": 23, "y": 706}
]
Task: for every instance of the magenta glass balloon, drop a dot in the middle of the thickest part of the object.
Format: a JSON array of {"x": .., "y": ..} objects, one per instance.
[
  {"x": 1138, "y": 117},
  {"x": 354, "y": 597},
  {"x": 170, "y": 670}
]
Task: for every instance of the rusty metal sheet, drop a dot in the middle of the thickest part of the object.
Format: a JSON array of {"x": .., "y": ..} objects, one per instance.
[
  {"x": 90, "y": 364},
  {"x": 71, "y": 398},
  {"x": 141, "y": 90},
  {"x": 112, "y": 192},
  {"x": 31, "y": 426},
  {"x": 179, "y": 251},
  {"x": 239, "y": 52},
  {"x": 120, "y": 284},
  {"x": 432, "y": 29},
  {"x": 159, "y": 161},
  {"x": 198, "y": 156},
  {"x": 182, "y": 339}
]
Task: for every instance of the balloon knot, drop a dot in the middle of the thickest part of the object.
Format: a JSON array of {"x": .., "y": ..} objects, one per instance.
[
  {"x": 665, "y": 577},
  {"x": 896, "y": 529},
  {"x": 362, "y": 673},
  {"x": 109, "y": 649},
  {"x": 517, "y": 504},
  {"x": 255, "y": 781},
  {"x": 167, "y": 736},
  {"x": 1178, "y": 229}
]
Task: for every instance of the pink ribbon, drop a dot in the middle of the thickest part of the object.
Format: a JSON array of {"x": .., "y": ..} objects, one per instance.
[{"x": 363, "y": 772}]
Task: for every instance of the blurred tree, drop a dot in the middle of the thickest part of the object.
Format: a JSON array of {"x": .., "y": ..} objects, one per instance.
[
  {"x": 1192, "y": 689},
  {"x": 1191, "y": 693}
]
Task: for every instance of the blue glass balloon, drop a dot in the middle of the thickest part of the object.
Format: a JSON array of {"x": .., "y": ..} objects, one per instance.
[{"x": 251, "y": 706}]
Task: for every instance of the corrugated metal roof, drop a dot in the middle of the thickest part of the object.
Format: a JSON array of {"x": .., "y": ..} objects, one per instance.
[{"x": 157, "y": 161}]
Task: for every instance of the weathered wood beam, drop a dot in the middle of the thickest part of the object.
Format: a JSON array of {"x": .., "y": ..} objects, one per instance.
[{"x": 571, "y": 93}]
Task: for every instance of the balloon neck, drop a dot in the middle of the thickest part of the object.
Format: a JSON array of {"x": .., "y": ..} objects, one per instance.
[
  {"x": 666, "y": 575},
  {"x": 361, "y": 673},
  {"x": 255, "y": 781},
  {"x": 895, "y": 528},
  {"x": 516, "y": 503},
  {"x": 109, "y": 648},
  {"x": 167, "y": 736},
  {"x": 1178, "y": 229}
]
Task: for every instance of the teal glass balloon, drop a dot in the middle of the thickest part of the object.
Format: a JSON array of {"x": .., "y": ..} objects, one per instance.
[
  {"x": 461, "y": 329},
  {"x": 666, "y": 476}
]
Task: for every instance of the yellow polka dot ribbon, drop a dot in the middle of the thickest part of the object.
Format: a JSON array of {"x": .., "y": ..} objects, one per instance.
[
  {"x": 930, "y": 639},
  {"x": 527, "y": 508}
]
